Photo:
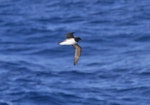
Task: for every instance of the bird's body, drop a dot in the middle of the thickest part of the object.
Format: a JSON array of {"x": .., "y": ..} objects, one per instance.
[{"x": 71, "y": 40}]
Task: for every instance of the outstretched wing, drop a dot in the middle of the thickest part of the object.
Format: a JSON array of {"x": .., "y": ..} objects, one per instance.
[
  {"x": 70, "y": 35},
  {"x": 77, "y": 53}
]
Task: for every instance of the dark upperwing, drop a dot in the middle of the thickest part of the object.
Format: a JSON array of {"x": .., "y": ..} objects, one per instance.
[{"x": 70, "y": 35}]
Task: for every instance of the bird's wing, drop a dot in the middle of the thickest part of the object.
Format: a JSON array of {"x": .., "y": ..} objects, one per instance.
[
  {"x": 70, "y": 35},
  {"x": 77, "y": 53}
]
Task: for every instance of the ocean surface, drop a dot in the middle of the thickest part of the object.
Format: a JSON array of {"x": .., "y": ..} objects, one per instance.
[{"x": 114, "y": 67}]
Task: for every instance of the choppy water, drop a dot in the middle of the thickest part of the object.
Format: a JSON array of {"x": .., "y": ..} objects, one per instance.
[{"x": 114, "y": 68}]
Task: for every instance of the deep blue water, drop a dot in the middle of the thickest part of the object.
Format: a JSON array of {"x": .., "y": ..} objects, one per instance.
[{"x": 114, "y": 68}]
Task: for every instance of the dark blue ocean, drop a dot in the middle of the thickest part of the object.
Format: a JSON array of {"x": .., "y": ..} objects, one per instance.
[{"x": 114, "y": 67}]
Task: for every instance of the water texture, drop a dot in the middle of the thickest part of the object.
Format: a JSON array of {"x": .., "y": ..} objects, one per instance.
[{"x": 114, "y": 68}]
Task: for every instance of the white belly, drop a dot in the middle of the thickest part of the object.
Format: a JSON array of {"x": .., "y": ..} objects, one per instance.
[{"x": 68, "y": 42}]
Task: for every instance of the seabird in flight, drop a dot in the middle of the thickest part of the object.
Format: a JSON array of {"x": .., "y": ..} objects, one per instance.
[{"x": 71, "y": 40}]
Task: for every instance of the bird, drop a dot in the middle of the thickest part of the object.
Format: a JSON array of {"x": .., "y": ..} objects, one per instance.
[{"x": 71, "y": 40}]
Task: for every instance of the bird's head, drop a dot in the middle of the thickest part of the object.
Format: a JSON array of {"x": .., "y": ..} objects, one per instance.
[{"x": 77, "y": 39}]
